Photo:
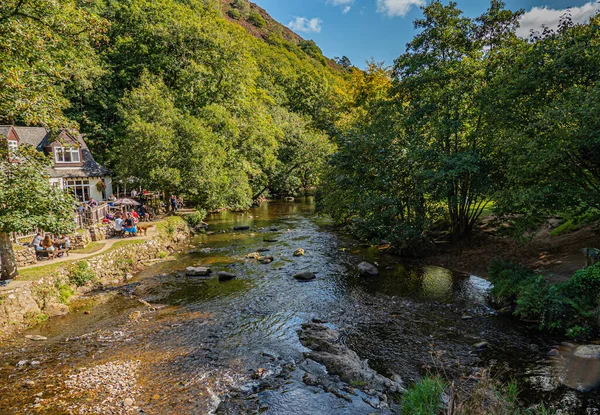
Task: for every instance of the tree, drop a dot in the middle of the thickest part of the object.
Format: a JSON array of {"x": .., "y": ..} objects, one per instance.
[
  {"x": 443, "y": 78},
  {"x": 47, "y": 46},
  {"x": 344, "y": 62},
  {"x": 256, "y": 19},
  {"x": 29, "y": 201}
]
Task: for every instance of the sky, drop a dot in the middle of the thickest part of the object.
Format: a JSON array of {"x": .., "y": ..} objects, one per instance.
[{"x": 379, "y": 29}]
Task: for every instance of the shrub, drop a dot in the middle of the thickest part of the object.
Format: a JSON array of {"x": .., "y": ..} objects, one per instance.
[
  {"x": 424, "y": 397},
  {"x": 81, "y": 273},
  {"x": 65, "y": 292},
  {"x": 569, "y": 307},
  {"x": 234, "y": 14},
  {"x": 257, "y": 20},
  {"x": 195, "y": 219}
]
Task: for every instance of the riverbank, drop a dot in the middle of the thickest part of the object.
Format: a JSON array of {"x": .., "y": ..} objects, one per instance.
[
  {"x": 557, "y": 257},
  {"x": 45, "y": 291}
]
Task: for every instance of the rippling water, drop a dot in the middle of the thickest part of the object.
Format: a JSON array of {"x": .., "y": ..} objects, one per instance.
[{"x": 200, "y": 349}]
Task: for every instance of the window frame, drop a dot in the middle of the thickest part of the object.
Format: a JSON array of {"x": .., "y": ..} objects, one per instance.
[{"x": 63, "y": 151}]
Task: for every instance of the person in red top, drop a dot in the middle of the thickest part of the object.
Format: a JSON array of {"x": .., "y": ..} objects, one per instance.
[{"x": 135, "y": 215}]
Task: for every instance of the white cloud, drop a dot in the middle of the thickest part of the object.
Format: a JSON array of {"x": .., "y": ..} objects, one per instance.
[
  {"x": 347, "y": 4},
  {"x": 302, "y": 24},
  {"x": 393, "y": 8},
  {"x": 538, "y": 16}
]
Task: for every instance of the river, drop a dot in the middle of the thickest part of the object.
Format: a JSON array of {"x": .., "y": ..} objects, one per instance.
[{"x": 232, "y": 347}]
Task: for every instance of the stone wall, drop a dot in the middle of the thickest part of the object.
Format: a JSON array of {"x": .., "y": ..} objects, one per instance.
[
  {"x": 80, "y": 239},
  {"x": 24, "y": 256},
  {"x": 102, "y": 231}
]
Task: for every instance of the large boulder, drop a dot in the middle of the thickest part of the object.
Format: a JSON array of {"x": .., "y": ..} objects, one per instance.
[
  {"x": 367, "y": 269},
  {"x": 591, "y": 351},
  {"x": 226, "y": 276},
  {"x": 305, "y": 276},
  {"x": 197, "y": 271}
]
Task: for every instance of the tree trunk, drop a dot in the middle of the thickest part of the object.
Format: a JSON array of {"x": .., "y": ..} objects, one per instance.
[{"x": 8, "y": 267}]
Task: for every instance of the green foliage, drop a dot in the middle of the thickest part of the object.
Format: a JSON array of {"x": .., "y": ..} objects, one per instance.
[
  {"x": 234, "y": 14},
  {"x": 569, "y": 307},
  {"x": 424, "y": 397},
  {"x": 195, "y": 219},
  {"x": 576, "y": 222},
  {"x": 32, "y": 319},
  {"x": 65, "y": 292},
  {"x": 46, "y": 47},
  {"x": 256, "y": 19},
  {"x": 81, "y": 273}
]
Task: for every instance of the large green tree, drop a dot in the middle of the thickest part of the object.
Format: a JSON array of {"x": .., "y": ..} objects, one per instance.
[
  {"x": 46, "y": 47},
  {"x": 28, "y": 201}
]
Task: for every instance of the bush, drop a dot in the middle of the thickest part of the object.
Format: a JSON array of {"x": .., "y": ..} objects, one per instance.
[
  {"x": 569, "y": 307},
  {"x": 81, "y": 273},
  {"x": 234, "y": 14},
  {"x": 424, "y": 397},
  {"x": 195, "y": 219},
  {"x": 257, "y": 20}
]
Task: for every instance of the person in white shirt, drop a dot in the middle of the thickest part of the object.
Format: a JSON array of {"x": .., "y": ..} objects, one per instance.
[
  {"x": 133, "y": 193},
  {"x": 119, "y": 224}
]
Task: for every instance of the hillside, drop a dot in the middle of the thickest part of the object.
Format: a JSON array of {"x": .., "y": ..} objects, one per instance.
[{"x": 243, "y": 13}]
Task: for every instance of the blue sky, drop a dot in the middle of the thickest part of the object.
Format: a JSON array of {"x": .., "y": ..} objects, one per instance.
[{"x": 380, "y": 29}]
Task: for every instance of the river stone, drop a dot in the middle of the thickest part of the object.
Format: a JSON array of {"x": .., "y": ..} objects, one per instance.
[
  {"x": 266, "y": 259},
  {"x": 326, "y": 348},
  {"x": 367, "y": 269},
  {"x": 36, "y": 337},
  {"x": 241, "y": 228},
  {"x": 481, "y": 345},
  {"x": 305, "y": 276},
  {"x": 253, "y": 255},
  {"x": 263, "y": 250},
  {"x": 591, "y": 351},
  {"x": 299, "y": 252},
  {"x": 270, "y": 240},
  {"x": 55, "y": 309},
  {"x": 226, "y": 276},
  {"x": 197, "y": 271}
]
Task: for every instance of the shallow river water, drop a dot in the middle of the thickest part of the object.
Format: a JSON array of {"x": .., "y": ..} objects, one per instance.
[{"x": 232, "y": 347}]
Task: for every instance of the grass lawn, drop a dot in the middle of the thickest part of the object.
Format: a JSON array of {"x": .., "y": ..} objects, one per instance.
[
  {"x": 90, "y": 249},
  {"x": 35, "y": 273}
]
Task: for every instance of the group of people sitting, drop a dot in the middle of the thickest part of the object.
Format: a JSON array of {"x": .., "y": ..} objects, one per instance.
[
  {"x": 127, "y": 223},
  {"x": 82, "y": 207},
  {"x": 51, "y": 245}
]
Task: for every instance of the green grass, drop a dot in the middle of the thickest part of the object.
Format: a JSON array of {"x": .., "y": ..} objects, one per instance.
[
  {"x": 90, "y": 249},
  {"x": 35, "y": 273},
  {"x": 577, "y": 222},
  {"x": 424, "y": 397}
]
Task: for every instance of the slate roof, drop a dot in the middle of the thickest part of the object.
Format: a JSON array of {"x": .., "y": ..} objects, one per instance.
[
  {"x": 4, "y": 130},
  {"x": 39, "y": 138}
]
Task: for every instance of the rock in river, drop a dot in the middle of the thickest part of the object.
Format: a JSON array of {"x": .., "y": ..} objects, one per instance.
[
  {"x": 305, "y": 276},
  {"x": 591, "y": 351},
  {"x": 266, "y": 259},
  {"x": 36, "y": 337},
  {"x": 299, "y": 252},
  {"x": 226, "y": 276},
  {"x": 367, "y": 269},
  {"x": 241, "y": 228},
  {"x": 253, "y": 255},
  {"x": 197, "y": 271},
  {"x": 340, "y": 360}
]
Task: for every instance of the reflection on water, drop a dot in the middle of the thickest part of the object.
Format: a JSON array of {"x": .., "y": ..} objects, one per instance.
[{"x": 395, "y": 319}]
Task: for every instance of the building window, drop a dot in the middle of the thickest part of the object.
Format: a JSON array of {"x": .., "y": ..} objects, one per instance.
[
  {"x": 13, "y": 147},
  {"x": 66, "y": 154},
  {"x": 80, "y": 188}
]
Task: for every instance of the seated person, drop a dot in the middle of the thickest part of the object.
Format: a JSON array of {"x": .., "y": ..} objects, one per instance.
[
  {"x": 111, "y": 200},
  {"x": 37, "y": 240},
  {"x": 129, "y": 226},
  {"x": 119, "y": 225}
]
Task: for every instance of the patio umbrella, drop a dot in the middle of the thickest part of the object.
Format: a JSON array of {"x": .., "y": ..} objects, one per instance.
[{"x": 128, "y": 202}]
